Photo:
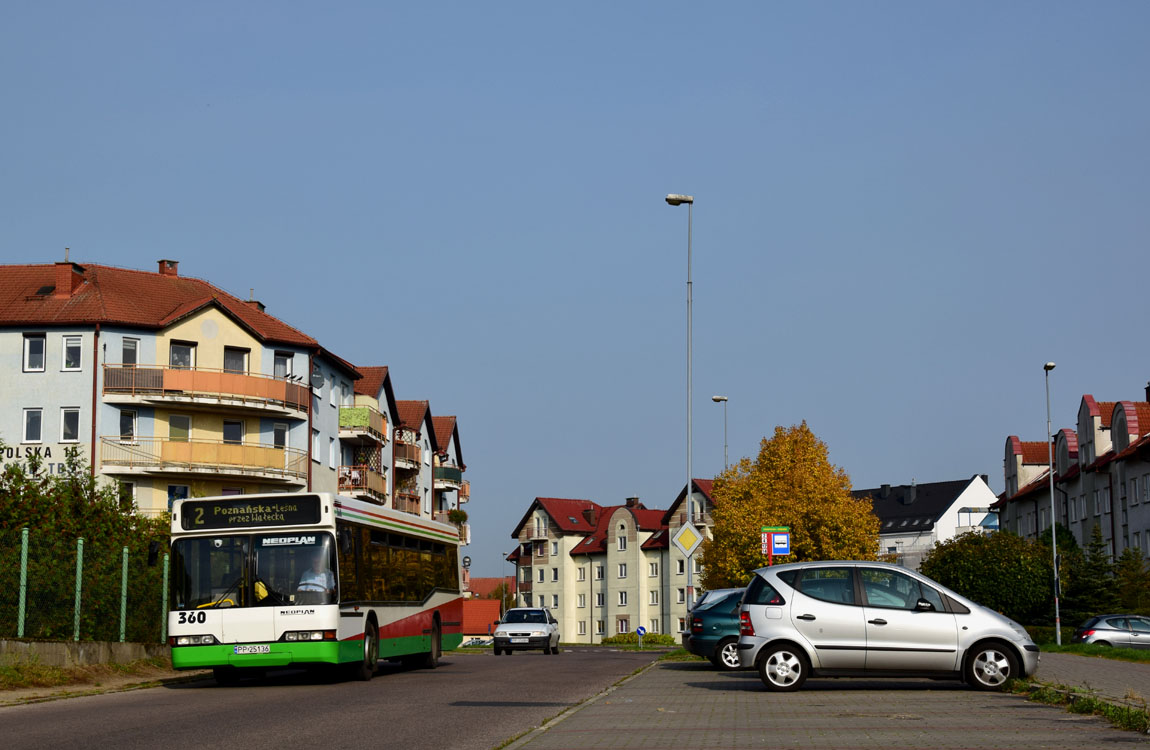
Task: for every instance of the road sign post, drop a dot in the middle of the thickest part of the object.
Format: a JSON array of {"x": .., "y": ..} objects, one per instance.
[
  {"x": 641, "y": 631},
  {"x": 776, "y": 540}
]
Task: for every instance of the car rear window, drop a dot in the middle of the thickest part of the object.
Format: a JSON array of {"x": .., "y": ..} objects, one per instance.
[{"x": 761, "y": 592}]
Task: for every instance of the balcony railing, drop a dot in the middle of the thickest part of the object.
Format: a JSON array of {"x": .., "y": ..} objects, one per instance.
[
  {"x": 407, "y": 502},
  {"x": 151, "y": 454},
  {"x": 190, "y": 384},
  {"x": 697, "y": 519},
  {"x": 407, "y": 453},
  {"x": 448, "y": 477},
  {"x": 364, "y": 481},
  {"x": 362, "y": 422},
  {"x": 465, "y": 491}
]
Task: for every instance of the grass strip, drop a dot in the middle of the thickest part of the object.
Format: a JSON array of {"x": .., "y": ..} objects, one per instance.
[
  {"x": 1102, "y": 652},
  {"x": 1128, "y": 717},
  {"x": 31, "y": 673}
]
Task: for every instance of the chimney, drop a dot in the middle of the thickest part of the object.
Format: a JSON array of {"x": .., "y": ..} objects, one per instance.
[
  {"x": 633, "y": 502},
  {"x": 69, "y": 277},
  {"x": 884, "y": 491},
  {"x": 911, "y": 494},
  {"x": 169, "y": 267},
  {"x": 256, "y": 304},
  {"x": 589, "y": 516},
  {"x": 1148, "y": 390}
]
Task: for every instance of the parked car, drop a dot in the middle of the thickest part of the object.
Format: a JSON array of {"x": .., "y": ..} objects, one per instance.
[
  {"x": 714, "y": 629},
  {"x": 524, "y": 628},
  {"x": 1121, "y": 631},
  {"x": 869, "y": 619}
]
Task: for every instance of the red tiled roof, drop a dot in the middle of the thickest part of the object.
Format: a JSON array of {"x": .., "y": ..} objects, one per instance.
[
  {"x": 702, "y": 485},
  {"x": 127, "y": 297},
  {"x": 645, "y": 520},
  {"x": 1071, "y": 438},
  {"x": 568, "y": 514},
  {"x": 479, "y": 615},
  {"x": 371, "y": 382},
  {"x": 659, "y": 540},
  {"x": 412, "y": 414},
  {"x": 485, "y": 587},
  {"x": 1035, "y": 452},
  {"x": 1107, "y": 409},
  {"x": 1137, "y": 416}
]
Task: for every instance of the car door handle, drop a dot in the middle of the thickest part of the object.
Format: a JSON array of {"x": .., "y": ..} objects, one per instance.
[
  {"x": 877, "y": 622},
  {"x": 805, "y": 617}
]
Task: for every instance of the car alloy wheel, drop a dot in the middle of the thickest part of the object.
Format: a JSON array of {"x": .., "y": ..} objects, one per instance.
[
  {"x": 991, "y": 667},
  {"x": 728, "y": 651},
  {"x": 783, "y": 668}
]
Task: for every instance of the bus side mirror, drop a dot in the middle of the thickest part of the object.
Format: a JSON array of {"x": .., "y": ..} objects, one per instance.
[{"x": 153, "y": 553}]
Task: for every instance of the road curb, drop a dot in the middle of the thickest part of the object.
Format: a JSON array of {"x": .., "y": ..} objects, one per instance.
[
  {"x": 531, "y": 734},
  {"x": 81, "y": 691}
]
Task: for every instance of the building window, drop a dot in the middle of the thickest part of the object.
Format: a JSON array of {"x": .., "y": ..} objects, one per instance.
[
  {"x": 582, "y": 627},
  {"x": 679, "y": 567},
  {"x": 1146, "y": 488},
  {"x": 542, "y": 573},
  {"x": 653, "y": 626},
  {"x": 71, "y": 353},
  {"x": 231, "y": 491},
  {"x": 235, "y": 359},
  {"x": 680, "y": 595},
  {"x": 181, "y": 355},
  {"x": 554, "y": 548},
  {"x": 526, "y": 575},
  {"x": 1097, "y": 506},
  {"x": 581, "y": 601},
  {"x": 582, "y": 575},
  {"x": 540, "y": 549},
  {"x": 1082, "y": 507},
  {"x": 599, "y": 627},
  {"x": 622, "y": 538},
  {"x": 126, "y": 494},
  {"x": 233, "y": 432},
  {"x": 1106, "y": 499},
  {"x": 624, "y": 625},
  {"x": 315, "y": 446},
  {"x": 599, "y": 599},
  {"x": 527, "y": 600},
  {"x": 622, "y": 598},
  {"x": 654, "y": 597},
  {"x": 344, "y": 394},
  {"x": 127, "y": 426},
  {"x": 282, "y": 367},
  {"x": 129, "y": 352},
  {"x": 1134, "y": 491},
  {"x": 69, "y": 425},
  {"x": 33, "y": 425},
  {"x": 554, "y": 575},
  {"x": 279, "y": 434},
  {"x": 34, "y": 353},
  {"x": 331, "y": 391},
  {"x": 541, "y": 526},
  {"x": 554, "y": 601},
  {"x": 622, "y": 570},
  {"x": 331, "y": 453},
  {"x": 176, "y": 492},
  {"x": 179, "y": 428},
  {"x": 653, "y": 570},
  {"x": 682, "y": 624},
  {"x": 598, "y": 572}
]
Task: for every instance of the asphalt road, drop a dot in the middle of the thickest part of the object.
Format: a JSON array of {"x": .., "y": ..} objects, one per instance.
[{"x": 471, "y": 702}]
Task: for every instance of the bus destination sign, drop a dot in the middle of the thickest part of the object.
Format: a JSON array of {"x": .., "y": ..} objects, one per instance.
[{"x": 235, "y": 514}]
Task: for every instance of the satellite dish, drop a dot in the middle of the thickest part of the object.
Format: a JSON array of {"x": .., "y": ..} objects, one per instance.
[
  {"x": 316, "y": 379},
  {"x": 466, "y": 561}
]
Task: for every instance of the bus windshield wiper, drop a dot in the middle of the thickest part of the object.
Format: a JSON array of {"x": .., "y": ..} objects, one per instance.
[{"x": 224, "y": 596}]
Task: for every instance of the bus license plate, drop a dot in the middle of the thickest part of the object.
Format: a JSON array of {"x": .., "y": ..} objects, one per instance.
[
  {"x": 519, "y": 640},
  {"x": 260, "y": 649}
]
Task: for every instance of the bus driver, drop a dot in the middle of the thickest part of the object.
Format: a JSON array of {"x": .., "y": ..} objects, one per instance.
[{"x": 318, "y": 578}]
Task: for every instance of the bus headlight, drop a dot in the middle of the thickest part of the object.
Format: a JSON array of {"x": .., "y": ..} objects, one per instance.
[
  {"x": 309, "y": 635},
  {"x": 193, "y": 640}
]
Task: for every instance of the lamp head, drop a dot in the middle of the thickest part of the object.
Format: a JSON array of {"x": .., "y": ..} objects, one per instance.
[
  {"x": 675, "y": 199},
  {"x": 1048, "y": 366},
  {"x": 718, "y": 399}
]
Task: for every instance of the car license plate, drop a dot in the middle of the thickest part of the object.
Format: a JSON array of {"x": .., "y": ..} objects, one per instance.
[
  {"x": 519, "y": 640},
  {"x": 260, "y": 649}
]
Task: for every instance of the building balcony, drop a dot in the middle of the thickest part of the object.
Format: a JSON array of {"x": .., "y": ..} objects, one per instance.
[
  {"x": 464, "y": 528},
  {"x": 465, "y": 491},
  {"x": 525, "y": 587},
  {"x": 149, "y": 455},
  {"x": 362, "y": 425},
  {"x": 364, "y": 482},
  {"x": 698, "y": 520},
  {"x": 406, "y": 455},
  {"x": 407, "y": 502},
  {"x": 205, "y": 388},
  {"x": 448, "y": 477}
]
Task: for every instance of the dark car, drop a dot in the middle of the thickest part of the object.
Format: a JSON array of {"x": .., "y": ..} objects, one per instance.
[
  {"x": 1120, "y": 631},
  {"x": 714, "y": 626}
]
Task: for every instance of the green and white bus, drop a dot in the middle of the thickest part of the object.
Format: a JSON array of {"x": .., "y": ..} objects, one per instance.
[{"x": 309, "y": 579}]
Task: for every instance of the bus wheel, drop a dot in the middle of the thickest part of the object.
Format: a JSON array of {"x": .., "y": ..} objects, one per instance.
[
  {"x": 366, "y": 667},
  {"x": 226, "y": 676},
  {"x": 431, "y": 658}
]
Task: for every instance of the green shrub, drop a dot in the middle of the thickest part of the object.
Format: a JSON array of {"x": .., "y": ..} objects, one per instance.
[{"x": 651, "y": 639}]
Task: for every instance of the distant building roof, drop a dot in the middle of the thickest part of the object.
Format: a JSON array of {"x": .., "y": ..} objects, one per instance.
[
  {"x": 479, "y": 616},
  {"x": 910, "y": 508}
]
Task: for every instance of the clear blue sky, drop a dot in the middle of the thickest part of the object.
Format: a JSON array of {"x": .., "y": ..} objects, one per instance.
[{"x": 902, "y": 210}]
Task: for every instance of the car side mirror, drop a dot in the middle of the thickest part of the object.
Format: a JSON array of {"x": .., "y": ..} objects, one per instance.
[{"x": 923, "y": 605}]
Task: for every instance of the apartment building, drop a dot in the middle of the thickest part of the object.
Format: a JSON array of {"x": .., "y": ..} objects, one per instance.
[
  {"x": 605, "y": 570},
  {"x": 172, "y": 387},
  {"x": 1101, "y": 477}
]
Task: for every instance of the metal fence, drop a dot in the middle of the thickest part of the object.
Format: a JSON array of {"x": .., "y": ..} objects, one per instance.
[{"x": 80, "y": 589}]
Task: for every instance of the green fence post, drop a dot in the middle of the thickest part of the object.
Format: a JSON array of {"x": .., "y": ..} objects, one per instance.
[
  {"x": 79, "y": 587},
  {"x": 124, "y": 596},
  {"x": 164, "y": 599},
  {"x": 23, "y": 582}
]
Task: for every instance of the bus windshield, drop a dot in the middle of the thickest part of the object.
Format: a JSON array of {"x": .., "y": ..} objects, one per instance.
[{"x": 256, "y": 570}]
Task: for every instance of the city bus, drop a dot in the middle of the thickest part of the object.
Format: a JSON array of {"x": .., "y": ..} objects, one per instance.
[{"x": 309, "y": 579}]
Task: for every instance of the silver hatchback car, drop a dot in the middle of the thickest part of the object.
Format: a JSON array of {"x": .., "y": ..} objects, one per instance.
[{"x": 870, "y": 619}]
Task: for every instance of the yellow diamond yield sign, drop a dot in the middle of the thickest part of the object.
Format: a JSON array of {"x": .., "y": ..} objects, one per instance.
[{"x": 687, "y": 539}]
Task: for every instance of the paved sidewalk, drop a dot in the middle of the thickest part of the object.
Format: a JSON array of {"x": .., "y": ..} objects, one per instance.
[
  {"x": 690, "y": 705},
  {"x": 1108, "y": 678}
]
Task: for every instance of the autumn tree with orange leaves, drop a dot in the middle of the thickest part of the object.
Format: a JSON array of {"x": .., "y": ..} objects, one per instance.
[{"x": 791, "y": 483}]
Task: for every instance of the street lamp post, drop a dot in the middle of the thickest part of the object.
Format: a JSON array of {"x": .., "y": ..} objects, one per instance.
[
  {"x": 723, "y": 401},
  {"x": 1053, "y": 532},
  {"x": 675, "y": 199}
]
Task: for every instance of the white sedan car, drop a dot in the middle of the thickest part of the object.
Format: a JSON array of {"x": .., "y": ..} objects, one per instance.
[{"x": 525, "y": 628}]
